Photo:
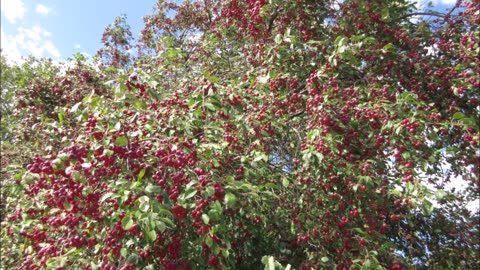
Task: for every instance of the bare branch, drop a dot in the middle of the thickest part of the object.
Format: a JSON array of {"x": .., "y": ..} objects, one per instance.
[{"x": 435, "y": 14}]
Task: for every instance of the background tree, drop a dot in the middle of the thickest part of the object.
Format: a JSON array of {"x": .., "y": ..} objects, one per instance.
[
  {"x": 117, "y": 47},
  {"x": 246, "y": 133},
  {"x": 13, "y": 78}
]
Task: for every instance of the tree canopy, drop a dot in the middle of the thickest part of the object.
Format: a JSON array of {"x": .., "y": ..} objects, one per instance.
[{"x": 243, "y": 134}]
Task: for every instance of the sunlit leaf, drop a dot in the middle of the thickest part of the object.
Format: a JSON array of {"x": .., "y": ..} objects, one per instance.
[
  {"x": 127, "y": 222},
  {"x": 121, "y": 141}
]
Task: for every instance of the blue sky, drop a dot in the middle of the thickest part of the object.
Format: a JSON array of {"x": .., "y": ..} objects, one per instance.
[{"x": 60, "y": 28}]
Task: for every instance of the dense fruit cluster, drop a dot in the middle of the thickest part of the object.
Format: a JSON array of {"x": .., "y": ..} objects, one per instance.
[{"x": 310, "y": 131}]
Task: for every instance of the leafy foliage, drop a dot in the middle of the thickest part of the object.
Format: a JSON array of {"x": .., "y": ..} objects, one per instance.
[{"x": 251, "y": 134}]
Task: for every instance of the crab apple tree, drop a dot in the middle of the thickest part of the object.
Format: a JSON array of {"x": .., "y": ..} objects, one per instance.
[{"x": 250, "y": 133}]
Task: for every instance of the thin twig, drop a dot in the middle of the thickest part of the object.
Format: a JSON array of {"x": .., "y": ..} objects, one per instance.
[{"x": 420, "y": 14}]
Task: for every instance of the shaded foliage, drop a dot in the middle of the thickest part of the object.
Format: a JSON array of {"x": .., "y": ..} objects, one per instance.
[{"x": 320, "y": 134}]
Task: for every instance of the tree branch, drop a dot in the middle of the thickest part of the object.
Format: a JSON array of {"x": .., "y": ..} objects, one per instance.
[
  {"x": 436, "y": 14},
  {"x": 274, "y": 16},
  {"x": 296, "y": 114}
]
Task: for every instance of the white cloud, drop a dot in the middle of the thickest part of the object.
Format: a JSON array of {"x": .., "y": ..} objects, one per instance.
[
  {"x": 28, "y": 41},
  {"x": 13, "y": 10},
  {"x": 77, "y": 46},
  {"x": 445, "y": 2},
  {"x": 51, "y": 49},
  {"x": 9, "y": 49},
  {"x": 41, "y": 9},
  {"x": 422, "y": 4},
  {"x": 36, "y": 33}
]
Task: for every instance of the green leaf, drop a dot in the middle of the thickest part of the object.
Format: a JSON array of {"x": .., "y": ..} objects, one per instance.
[
  {"x": 117, "y": 126},
  {"x": 269, "y": 185},
  {"x": 225, "y": 253},
  {"x": 123, "y": 252},
  {"x": 388, "y": 47},
  {"x": 94, "y": 266},
  {"x": 209, "y": 242},
  {"x": 63, "y": 156},
  {"x": 121, "y": 141},
  {"x": 161, "y": 226},
  {"x": 189, "y": 193},
  {"x": 61, "y": 117},
  {"x": 141, "y": 105},
  {"x": 216, "y": 102},
  {"x": 406, "y": 155},
  {"x": 324, "y": 259},
  {"x": 211, "y": 106},
  {"x": 75, "y": 107},
  {"x": 144, "y": 203},
  {"x": 366, "y": 264},
  {"x": 271, "y": 263},
  {"x": 409, "y": 188},
  {"x": 439, "y": 194},
  {"x": 285, "y": 182},
  {"x": 458, "y": 115},
  {"x": 433, "y": 136},
  {"x": 360, "y": 231},
  {"x": 213, "y": 79},
  {"x": 385, "y": 14},
  {"x": 341, "y": 41},
  {"x": 470, "y": 122},
  {"x": 168, "y": 221},
  {"x": 209, "y": 191},
  {"x": 86, "y": 165},
  {"x": 106, "y": 196},
  {"x": 67, "y": 206},
  {"x": 388, "y": 245},
  {"x": 151, "y": 235},
  {"x": 129, "y": 242},
  {"x": 205, "y": 218},
  {"x": 108, "y": 152},
  {"x": 153, "y": 189},
  {"x": 263, "y": 79},
  {"x": 141, "y": 174},
  {"x": 319, "y": 156},
  {"x": 260, "y": 156},
  {"x": 427, "y": 207},
  {"x": 230, "y": 200},
  {"x": 133, "y": 258},
  {"x": 27, "y": 177},
  {"x": 127, "y": 222},
  {"x": 216, "y": 249}
]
